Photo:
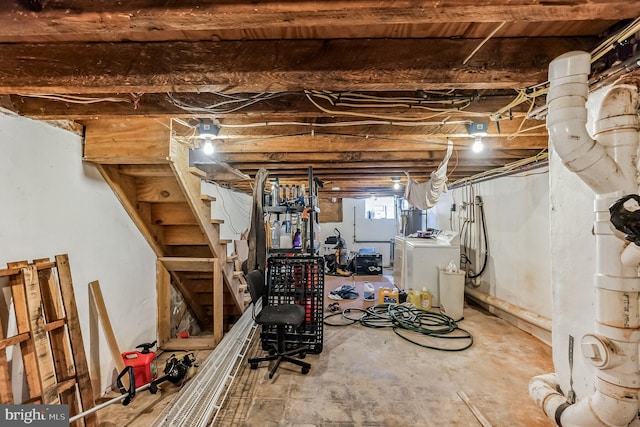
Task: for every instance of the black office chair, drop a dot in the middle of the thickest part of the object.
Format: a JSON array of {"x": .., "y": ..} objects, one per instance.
[{"x": 281, "y": 316}]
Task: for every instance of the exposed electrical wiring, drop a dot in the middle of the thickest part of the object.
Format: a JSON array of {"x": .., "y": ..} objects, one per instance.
[
  {"x": 521, "y": 131},
  {"x": 442, "y": 122},
  {"x": 230, "y": 104},
  {"x": 611, "y": 42},
  {"x": 542, "y": 88},
  {"x": 333, "y": 100},
  {"x": 509, "y": 167},
  {"x": 483, "y": 42},
  {"x": 75, "y": 99}
]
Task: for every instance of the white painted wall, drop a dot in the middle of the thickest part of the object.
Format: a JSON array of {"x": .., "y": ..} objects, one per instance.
[
  {"x": 232, "y": 207},
  {"x": 53, "y": 203},
  {"x": 517, "y": 217},
  {"x": 366, "y": 229}
]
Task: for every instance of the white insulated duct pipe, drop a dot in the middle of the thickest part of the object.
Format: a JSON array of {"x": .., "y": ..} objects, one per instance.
[{"x": 608, "y": 167}]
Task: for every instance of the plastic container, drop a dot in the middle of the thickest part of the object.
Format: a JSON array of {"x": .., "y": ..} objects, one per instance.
[
  {"x": 414, "y": 298},
  {"x": 275, "y": 234},
  {"x": 144, "y": 370},
  {"x": 297, "y": 243},
  {"x": 388, "y": 296},
  {"x": 426, "y": 299},
  {"x": 285, "y": 241},
  {"x": 452, "y": 293},
  {"x": 369, "y": 291}
]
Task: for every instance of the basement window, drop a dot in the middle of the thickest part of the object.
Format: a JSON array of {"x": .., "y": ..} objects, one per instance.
[{"x": 379, "y": 208}]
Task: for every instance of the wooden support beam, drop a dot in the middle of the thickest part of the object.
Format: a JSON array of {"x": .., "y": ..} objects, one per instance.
[
  {"x": 27, "y": 348},
  {"x": 188, "y": 264},
  {"x": 426, "y": 157},
  {"x": 46, "y": 371},
  {"x": 163, "y": 295},
  {"x": 125, "y": 142},
  {"x": 206, "y": 19},
  {"x": 341, "y": 144},
  {"x": 190, "y": 344},
  {"x": 14, "y": 340},
  {"x": 95, "y": 293},
  {"x": 276, "y": 66},
  {"x": 60, "y": 346},
  {"x": 75, "y": 338},
  {"x": 287, "y": 107},
  {"x": 218, "y": 298}
]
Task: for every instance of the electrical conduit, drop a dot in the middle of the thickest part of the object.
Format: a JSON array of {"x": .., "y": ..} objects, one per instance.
[{"x": 607, "y": 166}]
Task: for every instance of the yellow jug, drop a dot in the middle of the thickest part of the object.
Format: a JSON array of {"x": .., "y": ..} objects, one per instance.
[
  {"x": 388, "y": 296},
  {"x": 414, "y": 298},
  {"x": 425, "y": 300}
]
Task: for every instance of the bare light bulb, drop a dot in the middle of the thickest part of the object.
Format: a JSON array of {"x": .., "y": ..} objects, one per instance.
[
  {"x": 477, "y": 145},
  {"x": 396, "y": 186},
  {"x": 207, "y": 148}
]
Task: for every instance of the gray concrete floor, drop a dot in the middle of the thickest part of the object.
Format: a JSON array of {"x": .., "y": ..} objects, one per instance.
[{"x": 371, "y": 377}]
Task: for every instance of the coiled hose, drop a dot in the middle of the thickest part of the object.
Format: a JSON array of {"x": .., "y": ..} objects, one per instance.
[{"x": 406, "y": 320}]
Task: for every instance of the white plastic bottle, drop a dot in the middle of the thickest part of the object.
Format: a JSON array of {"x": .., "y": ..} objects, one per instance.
[{"x": 275, "y": 235}]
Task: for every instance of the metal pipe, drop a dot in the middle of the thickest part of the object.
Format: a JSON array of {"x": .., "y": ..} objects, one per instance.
[
  {"x": 514, "y": 310},
  {"x": 105, "y": 404}
]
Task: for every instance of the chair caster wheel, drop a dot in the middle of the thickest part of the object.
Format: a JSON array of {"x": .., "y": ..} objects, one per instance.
[
  {"x": 272, "y": 352},
  {"x": 254, "y": 365},
  {"x": 305, "y": 371},
  {"x": 302, "y": 355}
]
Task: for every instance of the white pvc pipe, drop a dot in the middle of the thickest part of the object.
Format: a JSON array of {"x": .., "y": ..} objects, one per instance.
[
  {"x": 608, "y": 167},
  {"x": 514, "y": 310},
  {"x": 566, "y": 123}
]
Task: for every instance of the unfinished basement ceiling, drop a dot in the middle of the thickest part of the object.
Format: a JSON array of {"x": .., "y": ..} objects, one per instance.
[{"x": 360, "y": 90}]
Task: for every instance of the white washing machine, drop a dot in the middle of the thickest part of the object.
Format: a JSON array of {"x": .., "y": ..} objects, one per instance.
[{"x": 419, "y": 261}]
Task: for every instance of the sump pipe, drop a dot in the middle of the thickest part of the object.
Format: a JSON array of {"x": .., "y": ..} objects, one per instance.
[
  {"x": 607, "y": 165},
  {"x": 514, "y": 310}
]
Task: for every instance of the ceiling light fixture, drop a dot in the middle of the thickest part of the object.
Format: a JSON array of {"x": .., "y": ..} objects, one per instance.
[
  {"x": 207, "y": 131},
  {"x": 396, "y": 182},
  {"x": 477, "y": 130}
]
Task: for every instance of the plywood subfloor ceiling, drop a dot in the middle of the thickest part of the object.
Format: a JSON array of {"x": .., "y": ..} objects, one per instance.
[{"x": 361, "y": 90}]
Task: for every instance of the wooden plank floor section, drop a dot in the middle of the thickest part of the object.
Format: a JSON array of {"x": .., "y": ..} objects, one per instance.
[{"x": 371, "y": 377}]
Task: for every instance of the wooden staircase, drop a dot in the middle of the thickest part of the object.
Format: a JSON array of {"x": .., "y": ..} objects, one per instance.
[{"x": 149, "y": 173}]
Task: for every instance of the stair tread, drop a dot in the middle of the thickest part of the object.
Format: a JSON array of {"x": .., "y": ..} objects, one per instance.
[
  {"x": 207, "y": 198},
  {"x": 198, "y": 172},
  {"x": 217, "y": 221}
]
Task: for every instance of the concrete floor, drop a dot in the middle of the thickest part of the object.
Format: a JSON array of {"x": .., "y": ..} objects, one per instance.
[{"x": 371, "y": 377}]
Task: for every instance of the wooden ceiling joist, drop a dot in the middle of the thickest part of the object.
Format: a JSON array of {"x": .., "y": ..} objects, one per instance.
[
  {"x": 283, "y": 65},
  {"x": 141, "y": 63},
  {"x": 285, "y": 107},
  {"x": 147, "y": 20}
]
